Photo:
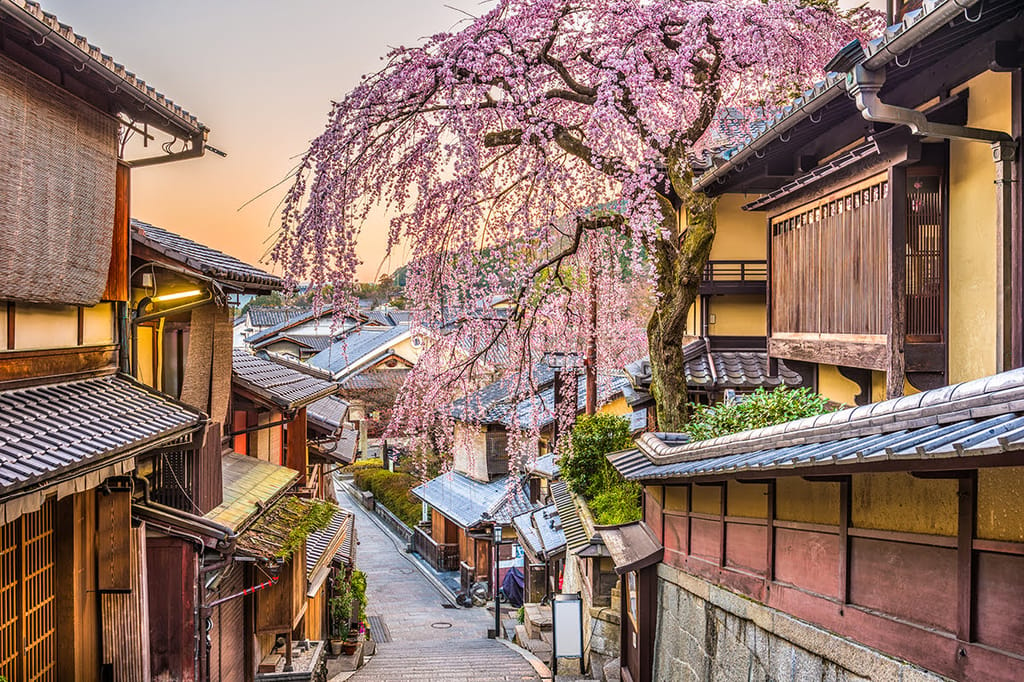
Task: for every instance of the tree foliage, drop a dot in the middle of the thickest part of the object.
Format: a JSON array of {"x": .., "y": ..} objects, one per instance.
[
  {"x": 585, "y": 468},
  {"x": 759, "y": 409},
  {"x": 536, "y": 129}
]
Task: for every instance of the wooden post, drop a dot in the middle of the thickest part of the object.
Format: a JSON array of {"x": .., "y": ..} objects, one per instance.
[
  {"x": 769, "y": 571},
  {"x": 844, "y": 539},
  {"x": 967, "y": 505},
  {"x": 896, "y": 371},
  {"x": 297, "y": 454},
  {"x": 1004, "y": 153}
]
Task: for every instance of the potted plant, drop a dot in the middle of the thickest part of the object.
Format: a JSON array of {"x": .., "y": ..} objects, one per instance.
[
  {"x": 340, "y": 610},
  {"x": 357, "y": 610}
]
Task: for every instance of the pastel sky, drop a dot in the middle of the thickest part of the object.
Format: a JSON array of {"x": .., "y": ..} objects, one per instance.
[{"x": 261, "y": 75}]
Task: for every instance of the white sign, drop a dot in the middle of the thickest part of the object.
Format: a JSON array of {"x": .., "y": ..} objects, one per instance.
[{"x": 567, "y": 624}]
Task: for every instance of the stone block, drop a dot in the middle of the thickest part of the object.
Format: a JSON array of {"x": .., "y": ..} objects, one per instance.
[{"x": 611, "y": 671}]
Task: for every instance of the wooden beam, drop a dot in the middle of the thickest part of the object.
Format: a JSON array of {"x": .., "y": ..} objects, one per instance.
[
  {"x": 81, "y": 326},
  {"x": 831, "y": 351},
  {"x": 722, "y": 498},
  {"x": 966, "y": 528}
]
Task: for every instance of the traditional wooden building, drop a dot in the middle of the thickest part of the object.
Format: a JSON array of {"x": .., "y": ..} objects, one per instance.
[
  {"x": 878, "y": 541},
  {"x": 74, "y": 424}
]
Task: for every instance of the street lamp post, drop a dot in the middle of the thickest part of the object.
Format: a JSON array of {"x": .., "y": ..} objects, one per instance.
[{"x": 497, "y": 574}]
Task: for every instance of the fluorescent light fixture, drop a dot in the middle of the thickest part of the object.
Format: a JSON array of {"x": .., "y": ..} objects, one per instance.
[{"x": 191, "y": 293}]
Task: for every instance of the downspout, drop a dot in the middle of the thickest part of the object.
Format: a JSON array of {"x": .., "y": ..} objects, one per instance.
[{"x": 864, "y": 84}]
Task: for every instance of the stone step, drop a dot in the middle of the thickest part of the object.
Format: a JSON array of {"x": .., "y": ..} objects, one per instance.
[{"x": 537, "y": 619}]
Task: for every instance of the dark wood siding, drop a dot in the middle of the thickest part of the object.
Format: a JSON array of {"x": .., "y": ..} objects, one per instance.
[
  {"x": 171, "y": 565},
  {"x": 830, "y": 263},
  {"x": 227, "y": 636}
]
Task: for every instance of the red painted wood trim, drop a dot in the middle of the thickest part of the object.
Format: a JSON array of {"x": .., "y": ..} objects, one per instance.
[
  {"x": 769, "y": 550},
  {"x": 903, "y": 537},
  {"x": 998, "y": 546},
  {"x": 689, "y": 518},
  {"x": 704, "y": 517},
  {"x": 746, "y": 521},
  {"x": 844, "y": 541},
  {"x": 807, "y": 527},
  {"x": 968, "y": 495}
]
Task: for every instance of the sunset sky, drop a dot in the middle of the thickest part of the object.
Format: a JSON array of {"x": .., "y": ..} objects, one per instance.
[{"x": 261, "y": 75}]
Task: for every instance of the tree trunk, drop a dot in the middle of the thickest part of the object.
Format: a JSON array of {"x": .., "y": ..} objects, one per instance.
[{"x": 679, "y": 258}]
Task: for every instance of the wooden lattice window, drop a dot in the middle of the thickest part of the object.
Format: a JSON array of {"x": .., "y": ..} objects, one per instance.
[{"x": 28, "y": 628}]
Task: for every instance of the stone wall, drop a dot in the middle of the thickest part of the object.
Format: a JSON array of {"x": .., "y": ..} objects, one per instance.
[
  {"x": 600, "y": 624},
  {"x": 709, "y": 634}
]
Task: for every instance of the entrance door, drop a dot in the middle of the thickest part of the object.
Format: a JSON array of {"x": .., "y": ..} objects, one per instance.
[{"x": 639, "y": 617}]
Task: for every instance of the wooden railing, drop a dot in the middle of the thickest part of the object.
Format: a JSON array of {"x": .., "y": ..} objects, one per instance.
[
  {"x": 394, "y": 523},
  {"x": 734, "y": 276},
  {"x": 443, "y": 557}
]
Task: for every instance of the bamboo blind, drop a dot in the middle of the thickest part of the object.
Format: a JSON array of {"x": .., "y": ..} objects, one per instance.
[
  {"x": 831, "y": 263},
  {"x": 58, "y": 160},
  {"x": 28, "y": 634}
]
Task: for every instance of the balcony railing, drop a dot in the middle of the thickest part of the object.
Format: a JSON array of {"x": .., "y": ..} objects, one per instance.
[
  {"x": 734, "y": 276},
  {"x": 443, "y": 557}
]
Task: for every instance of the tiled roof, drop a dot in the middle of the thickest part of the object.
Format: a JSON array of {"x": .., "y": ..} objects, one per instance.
[
  {"x": 357, "y": 346},
  {"x": 895, "y": 42},
  {"x": 632, "y": 546},
  {"x": 975, "y": 418},
  {"x": 266, "y": 316},
  {"x": 269, "y": 535},
  {"x": 468, "y": 502},
  {"x": 492, "y": 404},
  {"x": 375, "y": 379},
  {"x": 125, "y": 85},
  {"x": 305, "y": 315},
  {"x": 382, "y": 317},
  {"x": 575, "y": 532},
  {"x": 206, "y": 260},
  {"x": 327, "y": 413},
  {"x": 542, "y": 530},
  {"x": 57, "y": 428},
  {"x": 742, "y": 370},
  {"x": 249, "y": 485},
  {"x": 546, "y": 466},
  {"x": 322, "y": 546},
  {"x": 285, "y": 387}
]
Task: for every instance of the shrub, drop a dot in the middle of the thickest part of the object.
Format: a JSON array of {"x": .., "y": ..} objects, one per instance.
[
  {"x": 361, "y": 464},
  {"x": 585, "y": 469},
  {"x": 392, "y": 490},
  {"x": 616, "y": 504},
  {"x": 759, "y": 409}
]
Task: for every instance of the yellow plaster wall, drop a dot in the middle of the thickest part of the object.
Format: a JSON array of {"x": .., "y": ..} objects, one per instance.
[
  {"x": 675, "y": 498},
  {"x": 877, "y": 386},
  {"x": 144, "y": 346},
  {"x": 618, "y": 407},
  {"x": 3, "y": 326},
  {"x": 406, "y": 350},
  {"x": 98, "y": 324},
  {"x": 835, "y": 386},
  {"x": 45, "y": 326},
  {"x": 747, "y": 499},
  {"x": 741, "y": 235},
  {"x": 738, "y": 316},
  {"x": 469, "y": 455},
  {"x": 1001, "y": 504},
  {"x": 972, "y": 233},
  {"x": 707, "y": 499},
  {"x": 806, "y": 501},
  {"x": 898, "y": 501},
  {"x": 655, "y": 492}
]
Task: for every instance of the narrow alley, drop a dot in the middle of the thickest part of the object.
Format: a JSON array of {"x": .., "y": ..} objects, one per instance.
[{"x": 424, "y": 639}]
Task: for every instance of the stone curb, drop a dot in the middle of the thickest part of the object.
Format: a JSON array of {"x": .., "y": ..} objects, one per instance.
[
  {"x": 446, "y": 593},
  {"x": 538, "y": 665}
]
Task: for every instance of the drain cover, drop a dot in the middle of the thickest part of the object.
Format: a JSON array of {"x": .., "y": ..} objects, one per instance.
[
  {"x": 378, "y": 630},
  {"x": 441, "y": 625}
]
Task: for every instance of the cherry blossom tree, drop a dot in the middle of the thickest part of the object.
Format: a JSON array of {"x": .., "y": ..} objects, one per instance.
[{"x": 556, "y": 136}]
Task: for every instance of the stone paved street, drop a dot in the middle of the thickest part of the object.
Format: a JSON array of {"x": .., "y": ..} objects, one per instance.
[{"x": 428, "y": 641}]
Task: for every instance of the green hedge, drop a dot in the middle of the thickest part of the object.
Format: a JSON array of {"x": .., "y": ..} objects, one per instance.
[{"x": 392, "y": 490}]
